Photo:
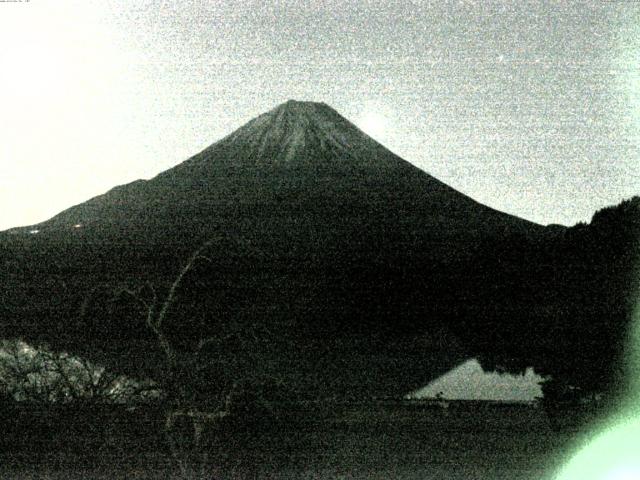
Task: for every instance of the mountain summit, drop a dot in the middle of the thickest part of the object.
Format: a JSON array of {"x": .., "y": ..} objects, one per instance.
[
  {"x": 302, "y": 131},
  {"x": 294, "y": 128}
]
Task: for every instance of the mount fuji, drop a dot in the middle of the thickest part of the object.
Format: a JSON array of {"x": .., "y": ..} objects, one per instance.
[{"x": 355, "y": 271}]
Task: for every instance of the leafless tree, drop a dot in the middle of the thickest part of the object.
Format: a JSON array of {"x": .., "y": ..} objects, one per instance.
[
  {"x": 180, "y": 409},
  {"x": 156, "y": 310}
]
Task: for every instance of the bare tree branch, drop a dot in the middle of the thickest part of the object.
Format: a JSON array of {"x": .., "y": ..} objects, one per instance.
[{"x": 197, "y": 255}]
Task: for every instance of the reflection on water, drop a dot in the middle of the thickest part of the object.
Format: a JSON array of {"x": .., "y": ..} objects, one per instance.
[{"x": 470, "y": 382}]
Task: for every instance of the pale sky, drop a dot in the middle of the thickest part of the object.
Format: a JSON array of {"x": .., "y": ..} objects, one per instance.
[{"x": 531, "y": 107}]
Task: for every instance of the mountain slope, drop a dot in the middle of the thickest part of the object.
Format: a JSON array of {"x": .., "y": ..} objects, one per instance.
[
  {"x": 300, "y": 154},
  {"x": 347, "y": 269}
]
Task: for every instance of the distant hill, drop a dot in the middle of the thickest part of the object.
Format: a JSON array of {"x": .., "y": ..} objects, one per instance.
[{"x": 355, "y": 272}]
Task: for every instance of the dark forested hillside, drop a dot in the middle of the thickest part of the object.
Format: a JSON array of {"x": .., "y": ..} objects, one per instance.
[{"x": 569, "y": 300}]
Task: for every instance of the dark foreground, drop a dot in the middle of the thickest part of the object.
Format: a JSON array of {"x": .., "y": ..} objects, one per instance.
[{"x": 382, "y": 440}]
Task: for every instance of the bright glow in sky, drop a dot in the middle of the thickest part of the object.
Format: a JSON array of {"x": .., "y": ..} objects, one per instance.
[
  {"x": 531, "y": 107},
  {"x": 374, "y": 124},
  {"x": 377, "y": 121}
]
